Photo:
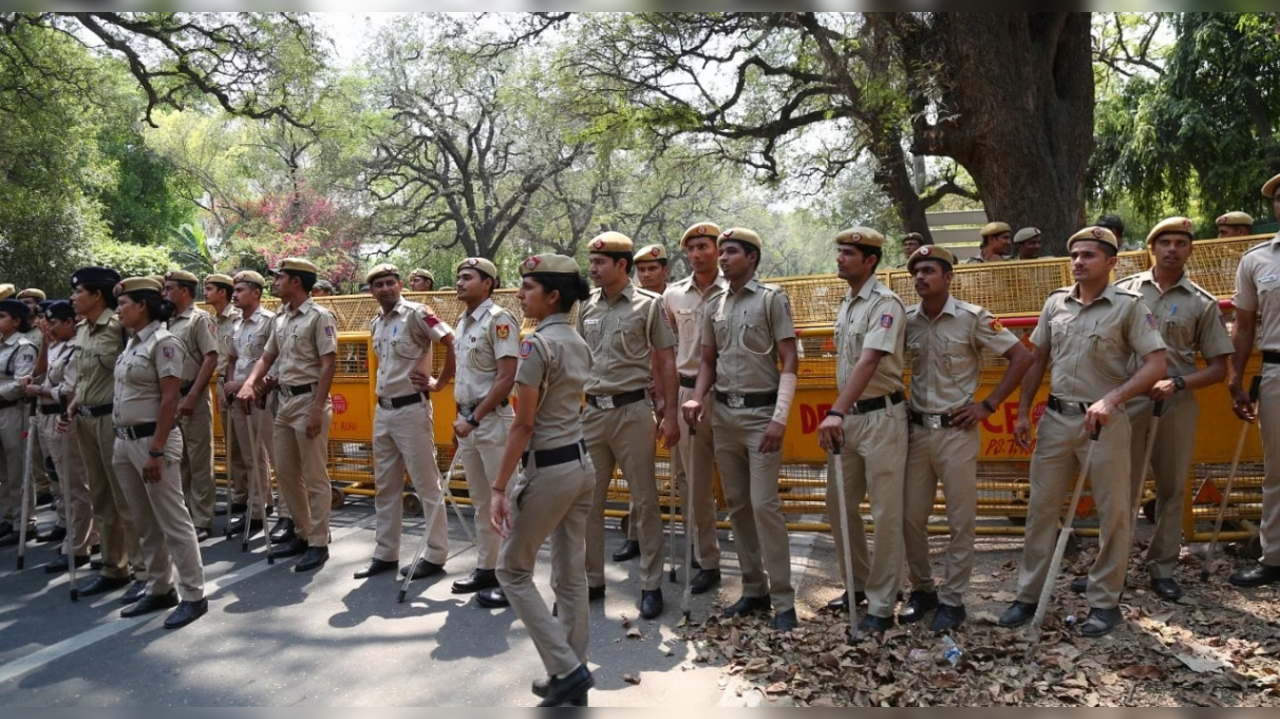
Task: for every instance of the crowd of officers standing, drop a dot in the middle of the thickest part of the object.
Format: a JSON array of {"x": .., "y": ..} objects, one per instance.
[{"x": 117, "y": 377}]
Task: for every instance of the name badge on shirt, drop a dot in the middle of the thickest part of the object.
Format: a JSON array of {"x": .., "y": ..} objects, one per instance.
[{"x": 592, "y": 322}]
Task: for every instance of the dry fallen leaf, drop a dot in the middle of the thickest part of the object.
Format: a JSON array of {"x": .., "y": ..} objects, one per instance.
[
  {"x": 634, "y": 633},
  {"x": 1142, "y": 671},
  {"x": 631, "y": 678}
]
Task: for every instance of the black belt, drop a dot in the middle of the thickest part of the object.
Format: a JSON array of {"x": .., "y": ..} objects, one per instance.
[
  {"x": 288, "y": 391},
  {"x": 932, "y": 421},
  {"x": 738, "y": 401},
  {"x": 466, "y": 410},
  {"x": 95, "y": 410},
  {"x": 398, "y": 402},
  {"x": 185, "y": 389},
  {"x": 10, "y": 403},
  {"x": 876, "y": 404},
  {"x": 688, "y": 382},
  {"x": 51, "y": 408},
  {"x": 1271, "y": 357},
  {"x": 559, "y": 455},
  {"x": 137, "y": 431},
  {"x": 604, "y": 401},
  {"x": 1062, "y": 407}
]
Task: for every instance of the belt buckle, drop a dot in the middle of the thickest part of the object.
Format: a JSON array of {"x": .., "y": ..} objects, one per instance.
[
  {"x": 933, "y": 421},
  {"x": 122, "y": 433},
  {"x": 736, "y": 401},
  {"x": 83, "y": 411},
  {"x": 384, "y": 403},
  {"x": 605, "y": 402}
]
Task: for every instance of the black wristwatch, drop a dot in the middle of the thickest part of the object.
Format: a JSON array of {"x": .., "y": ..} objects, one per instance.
[
  {"x": 1179, "y": 382},
  {"x": 471, "y": 420},
  {"x": 157, "y": 455}
]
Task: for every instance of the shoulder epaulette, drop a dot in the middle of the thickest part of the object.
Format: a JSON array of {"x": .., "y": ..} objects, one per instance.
[{"x": 1125, "y": 292}]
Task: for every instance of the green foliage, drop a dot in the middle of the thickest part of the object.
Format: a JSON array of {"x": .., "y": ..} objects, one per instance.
[{"x": 128, "y": 259}]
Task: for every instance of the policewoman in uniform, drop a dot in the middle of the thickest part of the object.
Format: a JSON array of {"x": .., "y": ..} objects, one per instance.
[
  {"x": 551, "y": 495},
  {"x": 148, "y": 454},
  {"x": 486, "y": 351},
  {"x": 17, "y": 360},
  {"x": 403, "y": 428},
  {"x": 1090, "y": 334},
  {"x": 747, "y": 335},
  {"x": 99, "y": 341}
]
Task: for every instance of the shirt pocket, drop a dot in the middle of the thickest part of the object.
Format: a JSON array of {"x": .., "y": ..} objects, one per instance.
[
  {"x": 404, "y": 349},
  {"x": 958, "y": 360},
  {"x": 138, "y": 371},
  {"x": 1109, "y": 352},
  {"x": 756, "y": 337},
  {"x": 720, "y": 325},
  {"x": 632, "y": 338}
]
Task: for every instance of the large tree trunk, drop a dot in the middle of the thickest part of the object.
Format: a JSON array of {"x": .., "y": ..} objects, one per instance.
[{"x": 1018, "y": 114}]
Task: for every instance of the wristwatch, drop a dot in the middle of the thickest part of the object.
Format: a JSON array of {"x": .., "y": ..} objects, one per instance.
[
  {"x": 1179, "y": 382},
  {"x": 471, "y": 420}
]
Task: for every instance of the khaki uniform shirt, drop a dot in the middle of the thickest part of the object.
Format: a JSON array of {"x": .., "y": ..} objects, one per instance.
[
  {"x": 59, "y": 378},
  {"x": 1258, "y": 290},
  {"x": 35, "y": 337},
  {"x": 686, "y": 312},
  {"x": 17, "y": 359},
  {"x": 1092, "y": 347},
  {"x": 745, "y": 327},
  {"x": 249, "y": 339},
  {"x": 946, "y": 354},
  {"x": 152, "y": 354},
  {"x": 224, "y": 325},
  {"x": 484, "y": 336},
  {"x": 98, "y": 344},
  {"x": 298, "y": 340},
  {"x": 1189, "y": 320},
  {"x": 557, "y": 360},
  {"x": 621, "y": 332},
  {"x": 199, "y": 337},
  {"x": 873, "y": 319},
  {"x": 400, "y": 338}
]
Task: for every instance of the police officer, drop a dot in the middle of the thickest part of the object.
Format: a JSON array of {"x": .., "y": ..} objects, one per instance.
[
  {"x": 1234, "y": 224},
  {"x": 868, "y": 420},
  {"x": 1258, "y": 318},
  {"x": 403, "y": 427},
  {"x": 1189, "y": 319},
  {"x": 946, "y": 337},
  {"x": 198, "y": 334},
  {"x": 551, "y": 496},
  {"x": 217, "y": 294},
  {"x": 323, "y": 288},
  {"x": 911, "y": 242},
  {"x": 624, "y": 326},
  {"x": 748, "y": 334},
  {"x": 34, "y": 298},
  {"x": 1027, "y": 244},
  {"x": 250, "y": 421},
  {"x": 486, "y": 351},
  {"x": 1114, "y": 223},
  {"x": 148, "y": 454},
  {"x": 17, "y": 360},
  {"x": 99, "y": 341},
  {"x": 421, "y": 280},
  {"x": 996, "y": 238},
  {"x": 304, "y": 339},
  {"x": 686, "y": 302},
  {"x": 1090, "y": 334}
]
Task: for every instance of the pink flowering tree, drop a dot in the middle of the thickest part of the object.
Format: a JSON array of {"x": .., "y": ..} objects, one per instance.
[{"x": 301, "y": 224}]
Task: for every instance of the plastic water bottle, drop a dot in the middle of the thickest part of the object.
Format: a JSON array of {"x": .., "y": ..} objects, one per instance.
[{"x": 951, "y": 652}]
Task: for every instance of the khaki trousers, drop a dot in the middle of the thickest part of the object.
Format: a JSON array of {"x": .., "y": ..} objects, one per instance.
[
  {"x": 304, "y": 479},
  {"x": 750, "y": 481},
  {"x": 1171, "y": 459},
  {"x": 871, "y": 458},
  {"x": 242, "y": 458},
  {"x": 550, "y": 502},
  {"x": 111, "y": 517},
  {"x": 237, "y": 458},
  {"x": 1061, "y": 446},
  {"x": 402, "y": 440},
  {"x": 197, "y": 461},
  {"x": 625, "y": 437},
  {"x": 481, "y": 453},
  {"x": 13, "y": 453},
  {"x": 1269, "y": 422},
  {"x": 949, "y": 455},
  {"x": 65, "y": 452},
  {"x": 164, "y": 525},
  {"x": 40, "y": 476},
  {"x": 700, "y": 515}
]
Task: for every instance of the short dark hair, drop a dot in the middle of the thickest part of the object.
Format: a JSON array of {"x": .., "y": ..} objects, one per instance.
[
  {"x": 748, "y": 249},
  {"x": 572, "y": 288},
  {"x": 189, "y": 286},
  {"x": 223, "y": 286},
  {"x": 630, "y": 257},
  {"x": 308, "y": 279}
]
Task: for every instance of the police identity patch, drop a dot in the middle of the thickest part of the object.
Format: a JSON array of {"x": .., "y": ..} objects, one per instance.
[
  {"x": 167, "y": 351},
  {"x": 328, "y": 331},
  {"x": 996, "y": 325},
  {"x": 526, "y": 349},
  {"x": 1151, "y": 321},
  {"x": 503, "y": 331},
  {"x": 886, "y": 321},
  {"x": 431, "y": 320}
]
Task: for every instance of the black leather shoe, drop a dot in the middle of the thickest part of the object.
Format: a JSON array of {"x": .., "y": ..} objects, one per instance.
[
  {"x": 1166, "y": 589},
  {"x": 541, "y": 687},
  {"x": 1256, "y": 576},
  {"x": 377, "y": 566},
  {"x": 840, "y": 603},
  {"x": 1100, "y": 622},
  {"x": 479, "y": 579},
  {"x": 44, "y": 499},
  {"x": 650, "y": 603},
  {"x": 235, "y": 528},
  {"x": 186, "y": 613},
  {"x": 629, "y": 550},
  {"x": 291, "y": 548},
  {"x": 15, "y": 534},
  {"x": 919, "y": 604},
  {"x": 747, "y": 606},
  {"x": 871, "y": 624},
  {"x": 151, "y": 603},
  {"x": 136, "y": 592},
  {"x": 102, "y": 585},
  {"x": 57, "y": 534},
  {"x": 784, "y": 621},
  {"x": 492, "y": 598},
  {"x": 203, "y": 533},
  {"x": 947, "y": 618},
  {"x": 423, "y": 569},
  {"x": 283, "y": 531},
  {"x": 704, "y": 580},
  {"x": 238, "y": 508},
  {"x": 595, "y": 594},
  {"x": 60, "y": 564},
  {"x": 561, "y": 691},
  {"x": 1017, "y": 614},
  {"x": 1080, "y": 585},
  {"x": 313, "y": 558}
]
